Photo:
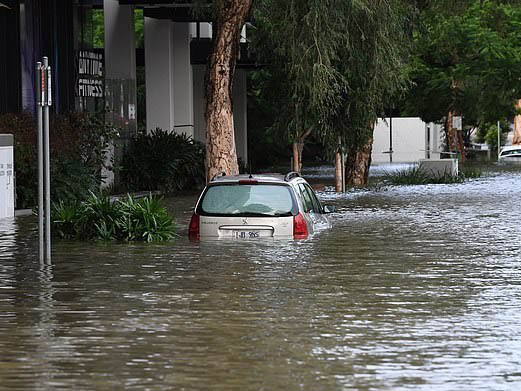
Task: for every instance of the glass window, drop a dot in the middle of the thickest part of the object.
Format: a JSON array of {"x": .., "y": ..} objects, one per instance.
[
  {"x": 317, "y": 207},
  {"x": 248, "y": 200},
  {"x": 306, "y": 198}
]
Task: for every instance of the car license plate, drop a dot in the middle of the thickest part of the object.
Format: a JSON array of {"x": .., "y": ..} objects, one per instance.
[{"x": 246, "y": 234}]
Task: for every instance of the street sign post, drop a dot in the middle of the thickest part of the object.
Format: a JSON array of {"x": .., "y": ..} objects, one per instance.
[
  {"x": 498, "y": 139},
  {"x": 43, "y": 102}
]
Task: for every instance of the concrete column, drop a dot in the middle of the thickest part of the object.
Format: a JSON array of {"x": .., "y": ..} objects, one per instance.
[
  {"x": 199, "y": 122},
  {"x": 120, "y": 73},
  {"x": 159, "y": 74},
  {"x": 182, "y": 80},
  {"x": 206, "y": 30},
  {"x": 240, "y": 98},
  {"x": 120, "y": 47},
  {"x": 428, "y": 135},
  {"x": 198, "y": 75},
  {"x": 435, "y": 140}
]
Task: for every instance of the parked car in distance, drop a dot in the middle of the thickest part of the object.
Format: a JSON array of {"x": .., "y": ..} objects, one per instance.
[
  {"x": 258, "y": 206},
  {"x": 510, "y": 153}
]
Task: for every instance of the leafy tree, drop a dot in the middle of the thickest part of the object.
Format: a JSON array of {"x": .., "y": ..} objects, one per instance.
[
  {"x": 333, "y": 65},
  {"x": 467, "y": 62},
  {"x": 374, "y": 66},
  {"x": 301, "y": 53},
  {"x": 487, "y": 133}
]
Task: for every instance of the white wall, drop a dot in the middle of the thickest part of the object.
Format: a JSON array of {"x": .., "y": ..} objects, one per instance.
[
  {"x": 159, "y": 74},
  {"x": 409, "y": 140},
  {"x": 199, "y": 121},
  {"x": 6, "y": 179},
  {"x": 182, "y": 80}
]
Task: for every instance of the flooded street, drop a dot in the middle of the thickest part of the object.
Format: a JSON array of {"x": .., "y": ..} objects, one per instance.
[{"x": 414, "y": 288}]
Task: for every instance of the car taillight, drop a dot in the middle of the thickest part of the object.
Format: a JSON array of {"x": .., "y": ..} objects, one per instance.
[
  {"x": 300, "y": 228},
  {"x": 193, "y": 229}
]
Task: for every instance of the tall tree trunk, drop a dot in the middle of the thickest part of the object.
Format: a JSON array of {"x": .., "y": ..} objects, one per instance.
[
  {"x": 358, "y": 163},
  {"x": 298, "y": 148},
  {"x": 449, "y": 132},
  {"x": 517, "y": 126},
  {"x": 297, "y": 155},
  {"x": 338, "y": 171},
  {"x": 461, "y": 146},
  {"x": 221, "y": 154}
]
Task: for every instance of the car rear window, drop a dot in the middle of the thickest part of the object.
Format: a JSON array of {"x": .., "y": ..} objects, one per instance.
[{"x": 248, "y": 200}]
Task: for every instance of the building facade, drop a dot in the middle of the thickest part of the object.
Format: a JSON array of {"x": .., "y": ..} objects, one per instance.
[{"x": 143, "y": 62}]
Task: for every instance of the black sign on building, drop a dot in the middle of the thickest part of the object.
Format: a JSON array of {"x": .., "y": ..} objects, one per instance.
[{"x": 90, "y": 81}]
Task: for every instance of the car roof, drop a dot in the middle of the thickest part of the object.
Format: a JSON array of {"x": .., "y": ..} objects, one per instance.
[
  {"x": 264, "y": 177},
  {"x": 511, "y": 148}
]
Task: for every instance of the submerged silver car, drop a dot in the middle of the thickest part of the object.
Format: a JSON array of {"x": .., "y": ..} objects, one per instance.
[{"x": 258, "y": 206}]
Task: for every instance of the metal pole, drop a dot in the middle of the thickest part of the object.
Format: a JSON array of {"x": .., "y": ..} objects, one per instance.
[
  {"x": 390, "y": 139},
  {"x": 498, "y": 140},
  {"x": 342, "y": 164},
  {"x": 41, "y": 210},
  {"x": 47, "y": 165}
]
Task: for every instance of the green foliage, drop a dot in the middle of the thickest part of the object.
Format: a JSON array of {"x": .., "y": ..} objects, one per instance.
[
  {"x": 98, "y": 28},
  {"x": 374, "y": 63},
  {"x": 139, "y": 28},
  {"x": 415, "y": 176},
  {"x": 71, "y": 179},
  {"x": 487, "y": 133},
  {"x": 145, "y": 220},
  {"x": 293, "y": 38},
  {"x": 163, "y": 161},
  {"x": 78, "y": 144},
  {"x": 100, "y": 218},
  {"x": 66, "y": 219},
  {"x": 333, "y": 65},
  {"x": 467, "y": 60},
  {"x": 22, "y": 126},
  {"x": 471, "y": 172}
]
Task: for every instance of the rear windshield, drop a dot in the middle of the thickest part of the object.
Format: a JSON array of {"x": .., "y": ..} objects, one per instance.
[
  {"x": 511, "y": 152},
  {"x": 248, "y": 200}
]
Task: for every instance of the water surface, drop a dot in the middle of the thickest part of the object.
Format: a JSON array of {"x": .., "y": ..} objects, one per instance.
[{"x": 414, "y": 288}]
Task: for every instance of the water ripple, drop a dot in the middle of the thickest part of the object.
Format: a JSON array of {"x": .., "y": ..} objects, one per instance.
[{"x": 414, "y": 288}]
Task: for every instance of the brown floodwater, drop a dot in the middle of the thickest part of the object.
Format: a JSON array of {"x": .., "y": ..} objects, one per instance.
[{"x": 414, "y": 288}]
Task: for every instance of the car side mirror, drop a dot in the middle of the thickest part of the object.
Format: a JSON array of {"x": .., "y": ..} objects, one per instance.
[{"x": 329, "y": 209}]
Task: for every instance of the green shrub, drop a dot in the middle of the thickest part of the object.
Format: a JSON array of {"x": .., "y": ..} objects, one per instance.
[
  {"x": 410, "y": 176},
  {"x": 72, "y": 179},
  {"x": 100, "y": 218},
  {"x": 414, "y": 176},
  {"x": 145, "y": 220},
  {"x": 163, "y": 161},
  {"x": 66, "y": 219},
  {"x": 22, "y": 126},
  {"x": 471, "y": 172},
  {"x": 78, "y": 142}
]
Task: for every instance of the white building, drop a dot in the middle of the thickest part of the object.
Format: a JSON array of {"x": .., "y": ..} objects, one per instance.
[
  {"x": 176, "y": 47},
  {"x": 409, "y": 140}
]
